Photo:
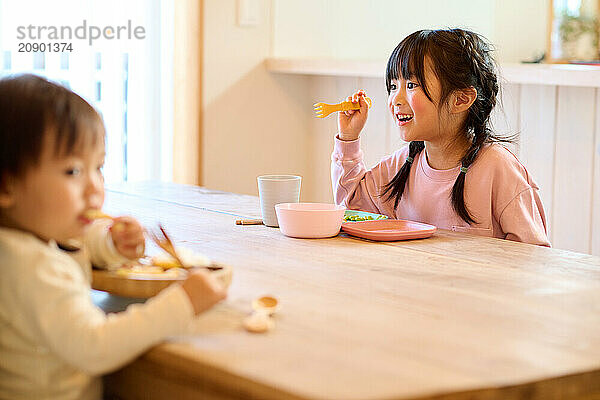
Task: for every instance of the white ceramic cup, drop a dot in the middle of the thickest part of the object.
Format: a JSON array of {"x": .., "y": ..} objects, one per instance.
[{"x": 275, "y": 189}]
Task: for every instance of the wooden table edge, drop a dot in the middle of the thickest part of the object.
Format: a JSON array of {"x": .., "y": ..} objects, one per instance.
[{"x": 163, "y": 371}]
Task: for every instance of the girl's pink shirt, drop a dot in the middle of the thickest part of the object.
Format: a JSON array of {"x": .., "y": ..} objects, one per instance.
[{"x": 499, "y": 192}]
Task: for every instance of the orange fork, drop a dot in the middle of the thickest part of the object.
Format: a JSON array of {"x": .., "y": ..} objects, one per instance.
[{"x": 323, "y": 109}]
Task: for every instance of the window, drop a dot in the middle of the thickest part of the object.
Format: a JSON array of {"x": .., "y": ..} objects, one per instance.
[{"x": 127, "y": 78}]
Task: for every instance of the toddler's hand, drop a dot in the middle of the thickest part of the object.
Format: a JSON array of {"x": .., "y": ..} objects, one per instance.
[
  {"x": 350, "y": 123},
  {"x": 128, "y": 237},
  {"x": 203, "y": 290}
]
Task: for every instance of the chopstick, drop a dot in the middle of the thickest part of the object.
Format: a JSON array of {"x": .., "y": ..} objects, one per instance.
[{"x": 248, "y": 221}]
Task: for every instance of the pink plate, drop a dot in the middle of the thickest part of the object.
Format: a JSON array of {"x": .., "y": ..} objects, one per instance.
[{"x": 389, "y": 229}]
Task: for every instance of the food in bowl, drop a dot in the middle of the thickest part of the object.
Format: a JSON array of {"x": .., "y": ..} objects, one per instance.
[
  {"x": 310, "y": 220},
  {"x": 188, "y": 256},
  {"x": 142, "y": 279},
  {"x": 149, "y": 270}
]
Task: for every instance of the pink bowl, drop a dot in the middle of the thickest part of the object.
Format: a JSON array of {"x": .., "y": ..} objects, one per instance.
[{"x": 309, "y": 220}]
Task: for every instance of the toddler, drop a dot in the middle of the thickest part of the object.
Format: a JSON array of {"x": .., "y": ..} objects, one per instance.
[
  {"x": 54, "y": 342},
  {"x": 454, "y": 173}
]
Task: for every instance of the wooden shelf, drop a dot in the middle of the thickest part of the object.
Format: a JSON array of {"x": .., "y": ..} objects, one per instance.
[
  {"x": 536, "y": 74},
  {"x": 363, "y": 69}
]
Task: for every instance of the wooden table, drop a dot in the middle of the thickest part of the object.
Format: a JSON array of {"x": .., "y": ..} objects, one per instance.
[{"x": 450, "y": 317}]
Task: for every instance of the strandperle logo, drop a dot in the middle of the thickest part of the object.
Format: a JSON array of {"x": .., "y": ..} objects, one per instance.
[{"x": 83, "y": 31}]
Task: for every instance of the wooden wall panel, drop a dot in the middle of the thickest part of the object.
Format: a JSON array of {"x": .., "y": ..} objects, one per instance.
[
  {"x": 595, "y": 237},
  {"x": 538, "y": 127},
  {"x": 573, "y": 168},
  {"x": 505, "y": 117}
]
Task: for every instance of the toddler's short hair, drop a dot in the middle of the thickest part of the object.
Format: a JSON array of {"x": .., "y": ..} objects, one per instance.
[{"x": 31, "y": 108}]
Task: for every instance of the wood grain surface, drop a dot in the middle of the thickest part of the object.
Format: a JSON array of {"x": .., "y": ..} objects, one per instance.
[{"x": 450, "y": 317}]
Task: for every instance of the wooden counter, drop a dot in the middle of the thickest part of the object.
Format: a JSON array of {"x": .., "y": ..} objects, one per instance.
[{"x": 450, "y": 317}]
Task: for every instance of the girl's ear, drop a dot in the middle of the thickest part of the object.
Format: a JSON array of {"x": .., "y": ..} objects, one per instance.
[
  {"x": 7, "y": 198},
  {"x": 463, "y": 99}
]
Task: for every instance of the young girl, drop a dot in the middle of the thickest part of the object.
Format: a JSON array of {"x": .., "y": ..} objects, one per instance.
[
  {"x": 54, "y": 343},
  {"x": 453, "y": 174}
]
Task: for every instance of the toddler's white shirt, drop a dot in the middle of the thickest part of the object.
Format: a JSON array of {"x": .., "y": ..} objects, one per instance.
[{"x": 54, "y": 342}]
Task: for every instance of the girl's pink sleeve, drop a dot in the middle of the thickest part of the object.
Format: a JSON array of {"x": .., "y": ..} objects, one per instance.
[
  {"x": 519, "y": 211},
  {"x": 353, "y": 185},
  {"x": 524, "y": 220}
]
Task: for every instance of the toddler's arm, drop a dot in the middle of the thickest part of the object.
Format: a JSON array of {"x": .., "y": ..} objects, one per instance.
[
  {"x": 128, "y": 237},
  {"x": 203, "y": 291},
  {"x": 61, "y": 312},
  {"x": 111, "y": 243},
  {"x": 100, "y": 246}
]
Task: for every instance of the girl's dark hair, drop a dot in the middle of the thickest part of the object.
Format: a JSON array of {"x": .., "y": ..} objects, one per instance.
[
  {"x": 460, "y": 59},
  {"x": 31, "y": 109}
]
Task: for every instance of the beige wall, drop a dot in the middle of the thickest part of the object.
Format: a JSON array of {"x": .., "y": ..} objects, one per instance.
[
  {"x": 253, "y": 122},
  {"x": 370, "y": 29},
  {"x": 520, "y": 28},
  {"x": 366, "y": 29}
]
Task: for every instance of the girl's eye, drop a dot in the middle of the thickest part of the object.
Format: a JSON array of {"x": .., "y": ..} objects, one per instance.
[
  {"x": 392, "y": 86},
  {"x": 411, "y": 85}
]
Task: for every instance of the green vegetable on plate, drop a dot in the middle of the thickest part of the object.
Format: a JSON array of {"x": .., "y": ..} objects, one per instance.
[{"x": 355, "y": 218}]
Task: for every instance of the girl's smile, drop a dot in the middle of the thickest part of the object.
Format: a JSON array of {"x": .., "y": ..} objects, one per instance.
[{"x": 403, "y": 119}]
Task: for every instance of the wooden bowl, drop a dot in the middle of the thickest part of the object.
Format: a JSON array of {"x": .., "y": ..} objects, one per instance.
[{"x": 145, "y": 286}]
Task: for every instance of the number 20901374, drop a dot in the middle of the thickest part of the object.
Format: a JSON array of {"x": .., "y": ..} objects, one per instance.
[{"x": 26, "y": 47}]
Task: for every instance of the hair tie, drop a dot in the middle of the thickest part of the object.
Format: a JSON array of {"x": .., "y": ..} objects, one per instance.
[
  {"x": 409, "y": 160},
  {"x": 463, "y": 170}
]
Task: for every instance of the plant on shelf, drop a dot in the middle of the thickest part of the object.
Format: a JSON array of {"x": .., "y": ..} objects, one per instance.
[{"x": 579, "y": 37}]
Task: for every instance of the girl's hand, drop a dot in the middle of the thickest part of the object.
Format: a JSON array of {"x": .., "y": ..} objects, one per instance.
[
  {"x": 351, "y": 123},
  {"x": 203, "y": 290},
  {"x": 128, "y": 237}
]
